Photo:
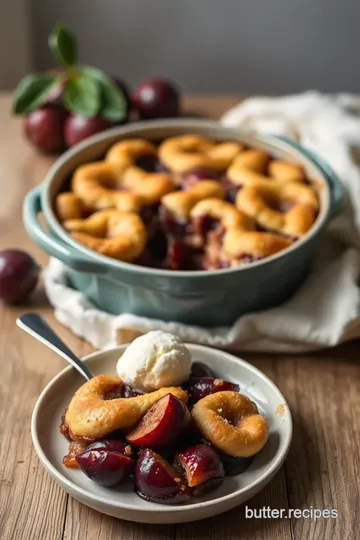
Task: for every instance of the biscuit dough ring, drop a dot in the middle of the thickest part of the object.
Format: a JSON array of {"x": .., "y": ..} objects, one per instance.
[
  {"x": 258, "y": 203},
  {"x": 187, "y": 152},
  {"x": 237, "y": 243},
  {"x": 249, "y": 168},
  {"x": 95, "y": 184},
  {"x": 228, "y": 216},
  {"x": 180, "y": 203},
  {"x": 68, "y": 206},
  {"x": 240, "y": 236},
  {"x": 125, "y": 153},
  {"x": 149, "y": 186},
  {"x": 120, "y": 235},
  {"x": 231, "y": 422},
  {"x": 286, "y": 173},
  {"x": 253, "y": 159},
  {"x": 91, "y": 416}
]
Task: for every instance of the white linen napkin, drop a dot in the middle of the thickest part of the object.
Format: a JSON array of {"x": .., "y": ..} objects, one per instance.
[{"x": 326, "y": 310}]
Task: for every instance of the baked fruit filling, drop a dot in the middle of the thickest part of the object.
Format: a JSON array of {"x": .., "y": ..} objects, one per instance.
[{"x": 188, "y": 203}]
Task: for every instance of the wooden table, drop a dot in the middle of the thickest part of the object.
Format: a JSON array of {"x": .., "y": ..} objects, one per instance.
[{"x": 321, "y": 471}]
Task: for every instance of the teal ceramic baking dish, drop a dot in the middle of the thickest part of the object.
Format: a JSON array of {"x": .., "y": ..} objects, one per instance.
[{"x": 209, "y": 298}]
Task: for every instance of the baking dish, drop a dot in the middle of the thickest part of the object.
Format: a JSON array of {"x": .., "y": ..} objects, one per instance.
[{"x": 205, "y": 298}]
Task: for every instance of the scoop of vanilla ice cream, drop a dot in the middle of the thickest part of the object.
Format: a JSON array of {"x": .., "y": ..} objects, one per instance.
[{"x": 154, "y": 360}]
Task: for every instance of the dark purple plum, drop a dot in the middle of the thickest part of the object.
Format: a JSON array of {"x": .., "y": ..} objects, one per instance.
[
  {"x": 44, "y": 128},
  {"x": 106, "y": 462},
  {"x": 202, "y": 466},
  {"x": 203, "y": 386},
  {"x": 158, "y": 481},
  {"x": 78, "y": 128},
  {"x": 156, "y": 98},
  {"x": 18, "y": 275}
]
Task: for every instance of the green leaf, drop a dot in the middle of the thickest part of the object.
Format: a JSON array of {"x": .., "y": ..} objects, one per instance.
[
  {"x": 82, "y": 95},
  {"x": 113, "y": 103},
  {"x": 63, "y": 45},
  {"x": 32, "y": 91}
]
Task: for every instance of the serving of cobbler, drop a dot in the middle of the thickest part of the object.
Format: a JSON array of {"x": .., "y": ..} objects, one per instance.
[{"x": 174, "y": 442}]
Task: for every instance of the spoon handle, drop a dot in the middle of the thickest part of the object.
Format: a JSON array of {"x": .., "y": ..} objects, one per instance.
[{"x": 35, "y": 325}]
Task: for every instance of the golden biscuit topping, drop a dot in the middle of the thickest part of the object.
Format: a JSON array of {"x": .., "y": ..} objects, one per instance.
[{"x": 188, "y": 203}]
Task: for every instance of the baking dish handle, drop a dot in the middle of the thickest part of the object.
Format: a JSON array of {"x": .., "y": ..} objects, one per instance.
[
  {"x": 335, "y": 185},
  {"x": 44, "y": 239}
]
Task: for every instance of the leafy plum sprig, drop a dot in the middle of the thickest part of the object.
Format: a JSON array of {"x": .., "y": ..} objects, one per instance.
[{"x": 86, "y": 90}]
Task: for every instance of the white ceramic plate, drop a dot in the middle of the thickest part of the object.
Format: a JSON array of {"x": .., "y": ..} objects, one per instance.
[{"x": 122, "y": 502}]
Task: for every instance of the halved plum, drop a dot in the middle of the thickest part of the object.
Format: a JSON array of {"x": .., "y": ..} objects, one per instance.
[
  {"x": 162, "y": 423},
  {"x": 106, "y": 462},
  {"x": 203, "y": 386},
  {"x": 202, "y": 466},
  {"x": 158, "y": 481}
]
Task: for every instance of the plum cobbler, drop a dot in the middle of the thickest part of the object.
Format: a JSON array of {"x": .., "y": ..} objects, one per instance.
[{"x": 188, "y": 203}]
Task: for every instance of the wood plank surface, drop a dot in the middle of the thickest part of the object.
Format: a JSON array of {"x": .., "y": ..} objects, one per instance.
[{"x": 323, "y": 466}]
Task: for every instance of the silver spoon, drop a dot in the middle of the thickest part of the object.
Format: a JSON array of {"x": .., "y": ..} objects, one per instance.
[{"x": 35, "y": 325}]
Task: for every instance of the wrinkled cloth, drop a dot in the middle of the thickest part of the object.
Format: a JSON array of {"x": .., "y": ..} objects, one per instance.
[{"x": 326, "y": 309}]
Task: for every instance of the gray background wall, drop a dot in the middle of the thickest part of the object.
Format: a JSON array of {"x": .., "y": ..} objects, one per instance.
[
  {"x": 15, "y": 50},
  {"x": 266, "y": 46}
]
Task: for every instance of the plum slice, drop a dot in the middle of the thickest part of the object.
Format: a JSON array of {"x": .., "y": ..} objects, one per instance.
[
  {"x": 158, "y": 481},
  {"x": 200, "y": 387},
  {"x": 106, "y": 462},
  {"x": 161, "y": 424},
  {"x": 203, "y": 468}
]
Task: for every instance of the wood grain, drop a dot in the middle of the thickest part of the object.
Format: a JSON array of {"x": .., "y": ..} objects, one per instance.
[
  {"x": 85, "y": 524},
  {"x": 323, "y": 466}
]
